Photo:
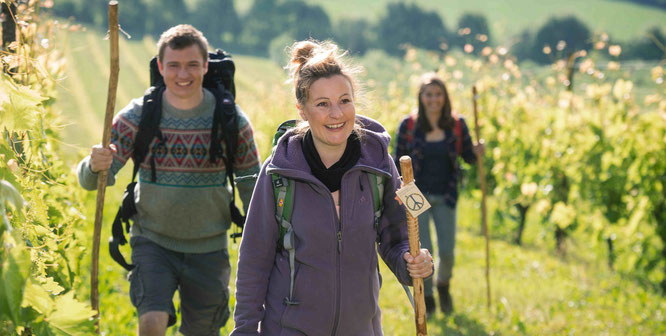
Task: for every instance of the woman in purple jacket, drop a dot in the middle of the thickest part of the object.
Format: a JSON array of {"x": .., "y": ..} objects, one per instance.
[{"x": 335, "y": 284}]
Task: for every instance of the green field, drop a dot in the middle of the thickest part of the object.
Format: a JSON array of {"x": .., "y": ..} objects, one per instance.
[
  {"x": 534, "y": 292},
  {"x": 622, "y": 20}
]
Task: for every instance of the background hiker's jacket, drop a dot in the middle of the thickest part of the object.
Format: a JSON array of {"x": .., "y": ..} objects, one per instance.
[
  {"x": 336, "y": 284},
  {"x": 414, "y": 148},
  {"x": 186, "y": 209}
]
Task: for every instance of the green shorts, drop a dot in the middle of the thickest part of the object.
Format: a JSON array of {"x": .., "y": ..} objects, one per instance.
[{"x": 202, "y": 280}]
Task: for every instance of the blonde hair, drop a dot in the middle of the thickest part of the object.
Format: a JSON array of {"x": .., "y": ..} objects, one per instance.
[{"x": 312, "y": 60}]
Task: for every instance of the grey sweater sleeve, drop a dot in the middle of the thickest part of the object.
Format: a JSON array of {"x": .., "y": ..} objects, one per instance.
[
  {"x": 88, "y": 179},
  {"x": 247, "y": 160}
]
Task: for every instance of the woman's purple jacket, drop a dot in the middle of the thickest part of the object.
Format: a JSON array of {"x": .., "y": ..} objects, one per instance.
[{"x": 336, "y": 283}]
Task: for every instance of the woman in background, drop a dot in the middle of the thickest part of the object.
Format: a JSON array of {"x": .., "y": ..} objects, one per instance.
[{"x": 435, "y": 137}]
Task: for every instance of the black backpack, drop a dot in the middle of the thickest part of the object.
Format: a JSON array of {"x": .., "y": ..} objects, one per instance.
[{"x": 220, "y": 81}]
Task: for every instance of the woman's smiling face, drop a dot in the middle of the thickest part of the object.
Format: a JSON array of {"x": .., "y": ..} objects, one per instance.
[
  {"x": 330, "y": 112},
  {"x": 433, "y": 98}
]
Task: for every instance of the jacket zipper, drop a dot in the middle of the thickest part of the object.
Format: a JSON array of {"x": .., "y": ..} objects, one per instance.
[
  {"x": 338, "y": 267},
  {"x": 338, "y": 257}
]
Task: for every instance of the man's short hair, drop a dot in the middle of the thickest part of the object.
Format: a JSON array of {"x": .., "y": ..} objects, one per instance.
[{"x": 180, "y": 37}]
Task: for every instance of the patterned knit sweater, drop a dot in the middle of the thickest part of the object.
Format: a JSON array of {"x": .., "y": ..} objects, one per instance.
[{"x": 187, "y": 208}]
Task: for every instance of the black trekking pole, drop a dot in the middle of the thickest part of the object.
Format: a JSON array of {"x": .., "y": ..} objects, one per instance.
[{"x": 106, "y": 139}]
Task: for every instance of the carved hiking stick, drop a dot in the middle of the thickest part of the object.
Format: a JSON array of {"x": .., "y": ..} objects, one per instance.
[
  {"x": 414, "y": 250},
  {"x": 482, "y": 181},
  {"x": 106, "y": 139}
]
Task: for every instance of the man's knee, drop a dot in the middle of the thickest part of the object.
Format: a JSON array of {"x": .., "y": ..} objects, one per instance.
[{"x": 153, "y": 323}]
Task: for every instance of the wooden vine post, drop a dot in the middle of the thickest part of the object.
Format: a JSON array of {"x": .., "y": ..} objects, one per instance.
[
  {"x": 106, "y": 139},
  {"x": 482, "y": 181},
  {"x": 414, "y": 250}
]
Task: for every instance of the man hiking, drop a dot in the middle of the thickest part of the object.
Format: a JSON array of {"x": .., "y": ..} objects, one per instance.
[{"x": 179, "y": 231}]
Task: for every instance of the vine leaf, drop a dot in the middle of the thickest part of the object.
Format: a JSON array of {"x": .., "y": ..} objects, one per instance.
[
  {"x": 13, "y": 274},
  {"x": 71, "y": 317},
  {"x": 9, "y": 194},
  {"x": 19, "y": 105},
  {"x": 38, "y": 298}
]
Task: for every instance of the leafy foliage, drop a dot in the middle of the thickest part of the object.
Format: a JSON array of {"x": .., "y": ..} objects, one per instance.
[
  {"x": 170, "y": 13},
  {"x": 39, "y": 273},
  {"x": 218, "y": 20},
  {"x": 656, "y": 3},
  {"x": 650, "y": 46},
  {"x": 408, "y": 24},
  {"x": 558, "y": 38},
  {"x": 267, "y": 19},
  {"x": 354, "y": 35},
  {"x": 303, "y": 21},
  {"x": 473, "y": 30},
  {"x": 260, "y": 26}
]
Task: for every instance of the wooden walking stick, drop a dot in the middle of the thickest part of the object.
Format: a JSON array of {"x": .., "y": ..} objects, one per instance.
[
  {"x": 106, "y": 139},
  {"x": 482, "y": 180},
  {"x": 414, "y": 250}
]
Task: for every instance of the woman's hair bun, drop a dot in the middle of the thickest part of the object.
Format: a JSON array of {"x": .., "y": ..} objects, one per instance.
[
  {"x": 311, "y": 60},
  {"x": 302, "y": 51}
]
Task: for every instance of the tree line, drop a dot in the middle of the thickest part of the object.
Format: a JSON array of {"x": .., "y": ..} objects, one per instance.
[
  {"x": 655, "y": 3},
  {"x": 282, "y": 21}
]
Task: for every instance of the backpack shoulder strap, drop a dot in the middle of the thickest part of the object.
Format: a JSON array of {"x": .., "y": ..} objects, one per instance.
[
  {"x": 411, "y": 125},
  {"x": 282, "y": 129},
  {"x": 458, "y": 133},
  {"x": 149, "y": 127},
  {"x": 125, "y": 212},
  {"x": 225, "y": 129},
  {"x": 283, "y": 189},
  {"x": 284, "y": 197},
  {"x": 225, "y": 121},
  {"x": 377, "y": 185}
]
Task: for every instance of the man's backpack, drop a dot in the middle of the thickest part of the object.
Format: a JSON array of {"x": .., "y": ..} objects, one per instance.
[
  {"x": 283, "y": 189},
  {"x": 220, "y": 81}
]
